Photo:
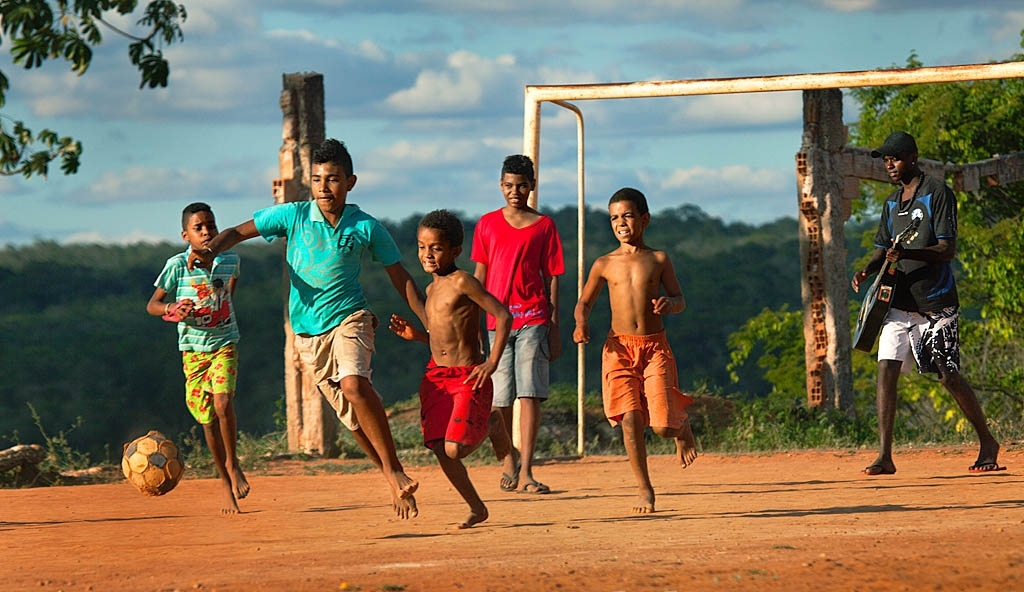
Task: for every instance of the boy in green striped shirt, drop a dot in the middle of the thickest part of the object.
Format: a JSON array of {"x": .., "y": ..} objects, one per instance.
[{"x": 200, "y": 304}]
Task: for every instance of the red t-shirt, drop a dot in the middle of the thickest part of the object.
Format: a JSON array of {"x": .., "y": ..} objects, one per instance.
[{"x": 518, "y": 260}]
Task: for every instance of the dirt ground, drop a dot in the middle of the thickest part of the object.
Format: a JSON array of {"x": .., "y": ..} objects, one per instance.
[{"x": 793, "y": 521}]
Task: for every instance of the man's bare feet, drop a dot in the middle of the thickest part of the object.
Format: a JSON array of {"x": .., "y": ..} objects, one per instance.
[
  {"x": 686, "y": 446},
  {"x": 475, "y": 517},
  {"x": 239, "y": 484},
  {"x": 404, "y": 486},
  {"x": 230, "y": 504},
  {"x": 644, "y": 502},
  {"x": 405, "y": 508}
]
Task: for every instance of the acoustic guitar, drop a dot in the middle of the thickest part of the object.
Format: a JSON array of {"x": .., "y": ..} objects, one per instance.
[{"x": 879, "y": 298}]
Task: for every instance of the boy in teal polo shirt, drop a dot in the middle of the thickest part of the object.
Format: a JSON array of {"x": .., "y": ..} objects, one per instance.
[{"x": 333, "y": 328}]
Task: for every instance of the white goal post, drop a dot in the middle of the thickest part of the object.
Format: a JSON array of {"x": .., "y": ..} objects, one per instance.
[{"x": 561, "y": 94}]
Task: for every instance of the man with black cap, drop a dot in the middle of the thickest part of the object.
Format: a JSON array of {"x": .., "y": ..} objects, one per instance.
[{"x": 922, "y": 320}]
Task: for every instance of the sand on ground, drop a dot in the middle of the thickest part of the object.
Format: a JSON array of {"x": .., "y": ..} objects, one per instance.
[{"x": 787, "y": 521}]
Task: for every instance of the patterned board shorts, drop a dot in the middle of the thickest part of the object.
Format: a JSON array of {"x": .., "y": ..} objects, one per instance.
[
  {"x": 208, "y": 374},
  {"x": 932, "y": 338}
]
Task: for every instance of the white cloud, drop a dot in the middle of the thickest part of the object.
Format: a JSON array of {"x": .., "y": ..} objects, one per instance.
[
  {"x": 460, "y": 86},
  {"x": 741, "y": 110},
  {"x": 726, "y": 180},
  {"x": 1009, "y": 25},
  {"x": 129, "y": 238},
  {"x": 850, "y": 5},
  {"x": 153, "y": 183}
]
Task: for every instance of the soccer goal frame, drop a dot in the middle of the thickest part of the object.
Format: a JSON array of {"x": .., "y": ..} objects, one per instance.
[{"x": 561, "y": 95}]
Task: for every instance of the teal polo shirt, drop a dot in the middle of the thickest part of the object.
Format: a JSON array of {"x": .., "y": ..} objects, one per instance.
[{"x": 324, "y": 262}]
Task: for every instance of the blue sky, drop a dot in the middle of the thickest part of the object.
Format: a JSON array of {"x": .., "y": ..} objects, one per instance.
[{"x": 428, "y": 94}]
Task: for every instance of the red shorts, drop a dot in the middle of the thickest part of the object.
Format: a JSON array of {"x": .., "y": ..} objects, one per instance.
[
  {"x": 640, "y": 375},
  {"x": 450, "y": 410}
]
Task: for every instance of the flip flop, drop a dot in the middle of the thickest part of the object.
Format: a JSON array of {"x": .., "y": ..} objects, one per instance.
[
  {"x": 170, "y": 316},
  {"x": 512, "y": 482},
  {"x": 985, "y": 467},
  {"x": 535, "y": 488}
]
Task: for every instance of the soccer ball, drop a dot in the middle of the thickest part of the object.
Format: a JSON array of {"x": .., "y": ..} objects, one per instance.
[{"x": 151, "y": 463}]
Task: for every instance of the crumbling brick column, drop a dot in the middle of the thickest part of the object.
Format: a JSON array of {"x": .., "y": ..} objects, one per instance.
[
  {"x": 312, "y": 423},
  {"x": 824, "y": 284}
]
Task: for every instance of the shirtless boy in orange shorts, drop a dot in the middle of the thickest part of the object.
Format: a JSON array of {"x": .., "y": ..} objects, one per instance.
[
  {"x": 640, "y": 386},
  {"x": 456, "y": 391}
]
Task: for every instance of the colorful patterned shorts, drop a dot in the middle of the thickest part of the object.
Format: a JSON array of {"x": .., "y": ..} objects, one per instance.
[{"x": 208, "y": 374}]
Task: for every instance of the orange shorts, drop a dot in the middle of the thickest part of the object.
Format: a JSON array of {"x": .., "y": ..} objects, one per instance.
[
  {"x": 450, "y": 410},
  {"x": 639, "y": 374}
]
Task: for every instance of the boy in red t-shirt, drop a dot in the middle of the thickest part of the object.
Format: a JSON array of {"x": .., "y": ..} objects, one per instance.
[{"x": 518, "y": 257}]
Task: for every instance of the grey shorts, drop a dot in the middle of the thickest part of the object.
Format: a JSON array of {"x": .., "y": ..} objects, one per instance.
[{"x": 523, "y": 369}]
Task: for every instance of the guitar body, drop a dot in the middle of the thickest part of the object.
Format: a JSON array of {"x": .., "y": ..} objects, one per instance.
[
  {"x": 879, "y": 298},
  {"x": 874, "y": 308}
]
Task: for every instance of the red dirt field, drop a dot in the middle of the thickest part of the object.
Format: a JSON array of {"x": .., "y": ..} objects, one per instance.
[{"x": 789, "y": 521}]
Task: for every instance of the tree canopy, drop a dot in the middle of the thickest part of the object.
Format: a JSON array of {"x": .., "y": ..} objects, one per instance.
[{"x": 43, "y": 30}]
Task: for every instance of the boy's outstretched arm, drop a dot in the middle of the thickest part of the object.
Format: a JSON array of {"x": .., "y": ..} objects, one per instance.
[
  {"x": 475, "y": 291},
  {"x": 595, "y": 281},
  {"x": 222, "y": 242},
  {"x": 406, "y": 330},
  {"x": 407, "y": 289}
]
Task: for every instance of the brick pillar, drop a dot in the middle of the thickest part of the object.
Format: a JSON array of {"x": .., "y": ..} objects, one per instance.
[
  {"x": 312, "y": 423},
  {"x": 824, "y": 285}
]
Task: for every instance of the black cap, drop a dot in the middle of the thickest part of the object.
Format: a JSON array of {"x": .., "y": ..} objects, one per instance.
[{"x": 897, "y": 144}]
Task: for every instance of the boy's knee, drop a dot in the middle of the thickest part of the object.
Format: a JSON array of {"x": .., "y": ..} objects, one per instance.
[
  {"x": 221, "y": 403},
  {"x": 666, "y": 432},
  {"x": 357, "y": 390},
  {"x": 454, "y": 450}
]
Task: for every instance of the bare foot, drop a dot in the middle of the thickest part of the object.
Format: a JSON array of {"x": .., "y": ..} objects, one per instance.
[
  {"x": 239, "y": 483},
  {"x": 475, "y": 517},
  {"x": 405, "y": 508},
  {"x": 230, "y": 504},
  {"x": 404, "y": 486},
  {"x": 686, "y": 447},
  {"x": 644, "y": 502}
]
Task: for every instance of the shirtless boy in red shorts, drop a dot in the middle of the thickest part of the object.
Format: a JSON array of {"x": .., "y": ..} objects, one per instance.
[
  {"x": 456, "y": 391},
  {"x": 640, "y": 386}
]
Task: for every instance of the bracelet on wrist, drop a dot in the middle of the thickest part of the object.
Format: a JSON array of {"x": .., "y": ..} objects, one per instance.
[{"x": 167, "y": 308}]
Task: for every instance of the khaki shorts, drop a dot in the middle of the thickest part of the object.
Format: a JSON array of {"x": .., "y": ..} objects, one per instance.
[{"x": 343, "y": 351}]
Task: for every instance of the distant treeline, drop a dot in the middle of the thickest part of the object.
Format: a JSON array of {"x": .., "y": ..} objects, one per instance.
[{"x": 76, "y": 342}]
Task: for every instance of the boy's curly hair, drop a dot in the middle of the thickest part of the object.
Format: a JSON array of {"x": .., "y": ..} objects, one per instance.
[
  {"x": 518, "y": 164},
  {"x": 446, "y": 222},
  {"x": 332, "y": 150}
]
